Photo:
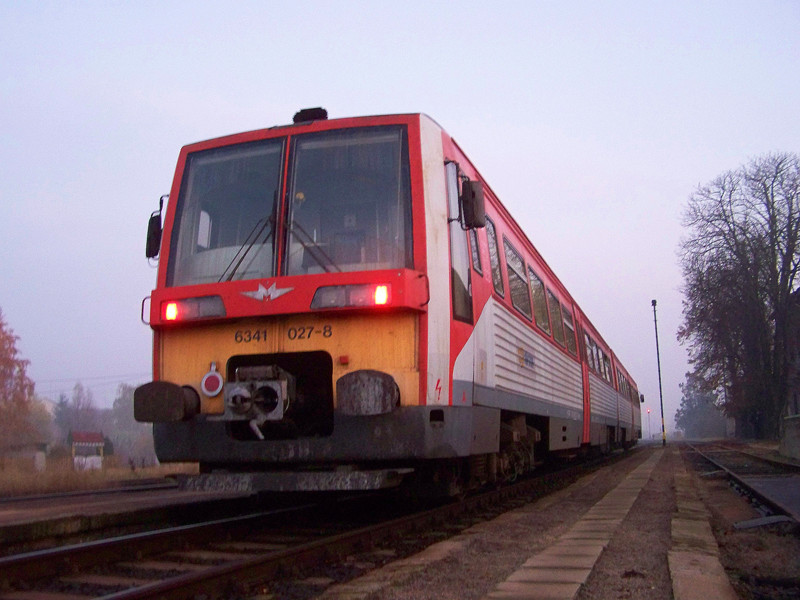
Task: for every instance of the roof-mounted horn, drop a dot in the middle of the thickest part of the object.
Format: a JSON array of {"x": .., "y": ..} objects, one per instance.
[{"x": 310, "y": 114}]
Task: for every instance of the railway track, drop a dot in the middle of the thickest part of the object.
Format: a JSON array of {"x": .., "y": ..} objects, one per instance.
[
  {"x": 775, "y": 485},
  {"x": 155, "y": 564},
  {"x": 231, "y": 557},
  {"x": 150, "y": 486},
  {"x": 59, "y": 520}
]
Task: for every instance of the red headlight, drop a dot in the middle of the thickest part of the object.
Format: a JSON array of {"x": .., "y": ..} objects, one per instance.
[
  {"x": 338, "y": 296},
  {"x": 187, "y": 309},
  {"x": 171, "y": 311},
  {"x": 381, "y": 294}
]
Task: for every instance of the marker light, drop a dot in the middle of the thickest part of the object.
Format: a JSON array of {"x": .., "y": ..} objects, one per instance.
[
  {"x": 171, "y": 311},
  {"x": 188, "y": 309},
  {"x": 381, "y": 294},
  {"x": 361, "y": 295}
]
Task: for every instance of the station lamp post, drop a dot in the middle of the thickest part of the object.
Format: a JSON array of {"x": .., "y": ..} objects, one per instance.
[
  {"x": 660, "y": 393},
  {"x": 649, "y": 432}
]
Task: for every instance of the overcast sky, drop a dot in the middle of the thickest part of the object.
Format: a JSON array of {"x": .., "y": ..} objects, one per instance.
[{"x": 592, "y": 121}]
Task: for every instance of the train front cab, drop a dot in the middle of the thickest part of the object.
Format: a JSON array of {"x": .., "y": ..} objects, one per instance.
[{"x": 298, "y": 326}]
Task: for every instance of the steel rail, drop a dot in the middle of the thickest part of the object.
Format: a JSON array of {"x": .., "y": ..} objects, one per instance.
[
  {"x": 53, "y": 561},
  {"x": 145, "y": 487},
  {"x": 781, "y": 464},
  {"x": 762, "y": 498}
]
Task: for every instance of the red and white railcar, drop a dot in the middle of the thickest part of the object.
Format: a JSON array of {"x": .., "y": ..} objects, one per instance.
[{"x": 344, "y": 304}]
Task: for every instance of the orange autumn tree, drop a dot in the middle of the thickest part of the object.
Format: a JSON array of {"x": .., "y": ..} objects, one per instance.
[{"x": 16, "y": 392}]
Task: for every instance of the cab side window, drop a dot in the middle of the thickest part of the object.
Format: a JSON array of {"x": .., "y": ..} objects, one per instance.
[{"x": 494, "y": 257}]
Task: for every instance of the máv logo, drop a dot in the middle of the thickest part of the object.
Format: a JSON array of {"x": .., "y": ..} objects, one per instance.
[{"x": 265, "y": 294}]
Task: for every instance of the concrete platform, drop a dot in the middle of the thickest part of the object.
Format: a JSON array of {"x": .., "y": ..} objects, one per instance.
[
  {"x": 559, "y": 570},
  {"x": 550, "y": 574},
  {"x": 694, "y": 556},
  {"x": 782, "y": 491}
]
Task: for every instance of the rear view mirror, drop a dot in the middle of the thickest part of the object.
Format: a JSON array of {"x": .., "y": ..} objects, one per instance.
[
  {"x": 154, "y": 230},
  {"x": 472, "y": 205},
  {"x": 153, "y": 235}
]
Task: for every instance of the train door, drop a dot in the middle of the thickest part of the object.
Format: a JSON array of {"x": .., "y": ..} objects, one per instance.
[
  {"x": 462, "y": 349},
  {"x": 587, "y": 409},
  {"x": 483, "y": 318}
]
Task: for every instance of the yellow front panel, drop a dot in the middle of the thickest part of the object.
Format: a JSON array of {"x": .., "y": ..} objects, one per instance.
[{"x": 387, "y": 343}]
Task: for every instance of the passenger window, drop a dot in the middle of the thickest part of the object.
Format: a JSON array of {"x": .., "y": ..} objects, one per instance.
[
  {"x": 589, "y": 351},
  {"x": 600, "y": 367},
  {"x": 570, "y": 332},
  {"x": 494, "y": 257},
  {"x": 520, "y": 297},
  {"x": 476, "y": 252},
  {"x": 539, "y": 302},
  {"x": 558, "y": 321}
]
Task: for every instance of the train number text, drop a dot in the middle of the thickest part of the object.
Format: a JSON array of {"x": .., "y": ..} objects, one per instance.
[
  {"x": 309, "y": 331},
  {"x": 245, "y": 336}
]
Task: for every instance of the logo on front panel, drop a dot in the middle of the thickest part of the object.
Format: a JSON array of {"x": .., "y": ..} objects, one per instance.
[{"x": 264, "y": 294}]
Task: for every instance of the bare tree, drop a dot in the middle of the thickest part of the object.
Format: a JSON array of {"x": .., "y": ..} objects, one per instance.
[
  {"x": 123, "y": 408},
  {"x": 699, "y": 415},
  {"x": 84, "y": 414},
  {"x": 76, "y": 413},
  {"x": 132, "y": 439},
  {"x": 740, "y": 261}
]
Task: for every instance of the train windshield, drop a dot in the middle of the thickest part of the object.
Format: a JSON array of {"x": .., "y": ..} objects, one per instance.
[
  {"x": 349, "y": 202},
  {"x": 224, "y": 224}
]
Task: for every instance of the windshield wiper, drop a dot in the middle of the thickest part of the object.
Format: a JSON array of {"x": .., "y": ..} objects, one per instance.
[
  {"x": 248, "y": 244},
  {"x": 313, "y": 249},
  {"x": 251, "y": 240}
]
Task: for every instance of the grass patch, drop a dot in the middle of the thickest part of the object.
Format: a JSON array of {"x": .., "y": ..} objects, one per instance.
[{"x": 18, "y": 477}]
